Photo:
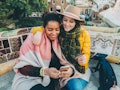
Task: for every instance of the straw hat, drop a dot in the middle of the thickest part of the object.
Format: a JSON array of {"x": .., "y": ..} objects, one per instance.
[{"x": 72, "y": 12}]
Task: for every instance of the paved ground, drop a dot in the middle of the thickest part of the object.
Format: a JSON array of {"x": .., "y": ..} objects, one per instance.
[{"x": 6, "y": 81}]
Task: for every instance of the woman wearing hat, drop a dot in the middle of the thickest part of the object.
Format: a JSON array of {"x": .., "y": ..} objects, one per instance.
[{"x": 75, "y": 45}]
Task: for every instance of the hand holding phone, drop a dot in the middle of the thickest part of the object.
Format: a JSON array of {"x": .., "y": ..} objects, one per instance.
[
  {"x": 64, "y": 68},
  {"x": 66, "y": 71}
]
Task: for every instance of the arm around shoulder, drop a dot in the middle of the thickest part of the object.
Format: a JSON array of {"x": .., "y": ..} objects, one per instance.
[
  {"x": 37, "y": 32},
  {"x": 85, "y": 43}
]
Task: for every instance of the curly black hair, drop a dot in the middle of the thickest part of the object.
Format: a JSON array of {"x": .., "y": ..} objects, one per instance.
[{"x": 50, "y": 17}]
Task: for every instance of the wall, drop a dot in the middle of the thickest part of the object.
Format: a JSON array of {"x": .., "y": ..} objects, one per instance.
[{"x": 10, "y": 42}]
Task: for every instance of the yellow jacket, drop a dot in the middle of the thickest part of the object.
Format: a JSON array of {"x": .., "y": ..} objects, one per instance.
[
  {"x": 84, "y": 43},
  {"x": 35, "y": 29}
]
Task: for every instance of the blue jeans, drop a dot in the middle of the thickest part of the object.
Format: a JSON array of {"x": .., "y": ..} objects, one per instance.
[{"x": 76, "y": 84}]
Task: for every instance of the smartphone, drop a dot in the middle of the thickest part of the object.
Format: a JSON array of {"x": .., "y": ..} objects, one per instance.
[{"x": 64, "y": 68}]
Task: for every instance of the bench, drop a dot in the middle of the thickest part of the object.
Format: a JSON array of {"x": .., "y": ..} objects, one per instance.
[
  {"x": 106, "y": 41},
  {"x": 103, "y": 40}
]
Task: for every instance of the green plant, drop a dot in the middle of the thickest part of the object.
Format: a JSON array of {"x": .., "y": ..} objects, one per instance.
[
  {"x": 3, "y": 29},
  {"x": 19, "y": 10},
  {"x": 29, "y": 22}
]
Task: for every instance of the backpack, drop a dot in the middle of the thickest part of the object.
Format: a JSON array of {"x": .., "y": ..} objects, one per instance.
[{"x": 106, "y": 74}]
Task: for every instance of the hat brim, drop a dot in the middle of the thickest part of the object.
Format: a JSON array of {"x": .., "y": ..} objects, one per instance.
[{"x": 71, "y": 16}]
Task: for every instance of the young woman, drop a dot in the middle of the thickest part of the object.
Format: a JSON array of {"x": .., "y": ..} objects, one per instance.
[
  {"x": 75, "y": 45},
  {"x": 38, "y": 64}
]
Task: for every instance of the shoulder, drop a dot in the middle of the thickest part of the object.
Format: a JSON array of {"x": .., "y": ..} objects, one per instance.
[
  {"x": 36, "y": 29},
  {"x": 37, "y": 33},
  {"x": 84, "y": 31}
]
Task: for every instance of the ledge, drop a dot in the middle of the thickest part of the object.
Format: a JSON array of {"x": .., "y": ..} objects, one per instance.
[{"x": 7, "y": 67}]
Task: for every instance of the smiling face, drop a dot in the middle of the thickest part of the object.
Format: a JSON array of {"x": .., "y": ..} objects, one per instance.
[
  {"x": 68, "y": 23},
  {"x": 52, "y": 30}
]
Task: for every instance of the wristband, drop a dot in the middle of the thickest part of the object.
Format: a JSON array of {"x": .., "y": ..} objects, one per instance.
[{"x": 41, "y": 72}]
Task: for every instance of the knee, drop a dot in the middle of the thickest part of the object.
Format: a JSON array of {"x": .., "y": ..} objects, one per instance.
[
  {"x": 73, "y": 84},
  {"x": 76, "y": 84}
]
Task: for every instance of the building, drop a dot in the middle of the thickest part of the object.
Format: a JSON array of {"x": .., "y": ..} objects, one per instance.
[
  {"x": 56, "y": 5},
  {"x": 112, "y": 15},
  {"x": 85, "y": 6},
  {"x": 101, "y": 5}
]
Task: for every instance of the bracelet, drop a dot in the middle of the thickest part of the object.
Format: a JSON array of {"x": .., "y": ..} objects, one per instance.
[
  {"x": 41, "y": 72},
  {"x": 73, "y": 72}
]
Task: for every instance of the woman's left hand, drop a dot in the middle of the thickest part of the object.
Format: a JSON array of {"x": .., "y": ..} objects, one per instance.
[
  {"x": 52, "y": 72},
  {"x": 66, "y": 73},
  {"x": 82, "y": 59}
]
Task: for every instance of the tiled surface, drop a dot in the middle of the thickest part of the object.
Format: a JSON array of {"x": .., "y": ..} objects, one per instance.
[
  {"x": 10, "y": 42},
  {"x": 106, "y": 43}
]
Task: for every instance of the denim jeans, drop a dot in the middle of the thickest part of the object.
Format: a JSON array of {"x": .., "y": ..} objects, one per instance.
[{"x": 76, "y": 84}]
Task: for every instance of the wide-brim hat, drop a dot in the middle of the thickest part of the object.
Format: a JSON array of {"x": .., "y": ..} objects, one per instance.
[{"x": 72, "y": 12}]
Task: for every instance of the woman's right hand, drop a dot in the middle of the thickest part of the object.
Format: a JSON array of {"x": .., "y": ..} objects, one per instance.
[
  {"x": 52, "y": 72},
  {"x": 66, "y": 72},
  {"x": 37, "y": 38},
  {"x": 81, "y": 60}
]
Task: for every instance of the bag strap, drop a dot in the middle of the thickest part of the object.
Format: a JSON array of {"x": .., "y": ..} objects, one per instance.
[
  {"x": 97, "y": 56},
  {"x": 96, "y": 68}
]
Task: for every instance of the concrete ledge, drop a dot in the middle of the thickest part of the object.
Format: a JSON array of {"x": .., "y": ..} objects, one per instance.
[
  {"x": 101, "y": 29},
  {"x": 7, "y": 67}
]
